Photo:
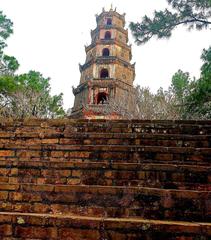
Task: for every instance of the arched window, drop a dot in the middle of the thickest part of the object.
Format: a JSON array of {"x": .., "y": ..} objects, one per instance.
[
  {"x": 109, "y": 21},
  {"x": 106, "y": 52},
  {"x": 104, "y": 73},
  {"x": 107, "y": 35},
  {"x": 102, "y": 98}
]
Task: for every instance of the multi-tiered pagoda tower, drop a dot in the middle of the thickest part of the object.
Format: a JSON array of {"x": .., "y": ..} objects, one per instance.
[{"x": 107, "y": 73}]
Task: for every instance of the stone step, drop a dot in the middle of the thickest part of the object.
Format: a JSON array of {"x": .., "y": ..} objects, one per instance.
[
  {"x": 108, "y": 153},
  {"x": 16, "y": 149},
  {"x": 101, "y": 173},
  {"x": 166, "y": 140},
  {"x": 110, "y": 177},
  {"x": 20, "y": 226},
  {"x": 59, "y": 127},
  {"x": 152, "y": 203},
  {"x": 95, "y": 122}
]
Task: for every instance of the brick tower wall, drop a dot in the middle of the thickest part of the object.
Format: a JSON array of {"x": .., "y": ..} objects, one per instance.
[{"x": 109, "y": 52}]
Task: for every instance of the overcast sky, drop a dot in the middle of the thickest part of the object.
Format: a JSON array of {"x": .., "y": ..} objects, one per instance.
[{"x": 49, "y": 36}]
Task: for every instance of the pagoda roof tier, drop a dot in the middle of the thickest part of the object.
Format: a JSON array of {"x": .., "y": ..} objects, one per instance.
[
  {"x": 100, "y": 27},
  {"x": 98, "y": 82},
  {"x": 107, "y": 42},
  {"x": 105, "y": 60},
  {"x": 110, "y": 14}
]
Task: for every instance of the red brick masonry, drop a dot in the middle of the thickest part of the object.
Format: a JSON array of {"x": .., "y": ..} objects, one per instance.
[{"x": 105, "y": 179}]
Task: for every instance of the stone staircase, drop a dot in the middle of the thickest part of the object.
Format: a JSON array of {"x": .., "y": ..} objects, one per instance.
[{"x": 97, "y": 179}]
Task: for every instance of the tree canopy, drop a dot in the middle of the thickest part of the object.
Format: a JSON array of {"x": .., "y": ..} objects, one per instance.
[
  {"x": 27, "y": 94},
  {"x": 192, "y": 13},
  {"x": 198, "y": 102},
  {"x": 6, "y": 29},
  {"x": 191, "y": 97}
]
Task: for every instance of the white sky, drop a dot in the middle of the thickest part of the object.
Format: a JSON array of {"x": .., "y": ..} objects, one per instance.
[{"x": 49, "y": 36}]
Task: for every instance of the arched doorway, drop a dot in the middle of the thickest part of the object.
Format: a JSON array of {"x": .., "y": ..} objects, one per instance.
[
  {"x": 102, "y": 98},
  {"x": 106, "y": 52},
  {"x": 104, "y": 73},
  {"x": 107, "y": 35}
]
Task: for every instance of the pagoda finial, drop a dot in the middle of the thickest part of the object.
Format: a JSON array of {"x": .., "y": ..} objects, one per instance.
[
  {"x": 103, "y": 9},
  {"x": 111, "y": 9}
]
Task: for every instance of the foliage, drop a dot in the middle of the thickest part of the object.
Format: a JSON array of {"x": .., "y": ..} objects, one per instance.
[
  {"x": 5, "y": 30},
  {"x": 146, "y": 105},
  {"x": 159, "y": 105},
  {"x": 188, "y": 99},
  {"x": 28, "y": 95},
  {"x": 24, "y": 95},
  {"x": 8, "y": 65},
  {"x": 194, "y": 14},
  {"x": 181, "y": 85},
  {"x": 198, "y": 102}
]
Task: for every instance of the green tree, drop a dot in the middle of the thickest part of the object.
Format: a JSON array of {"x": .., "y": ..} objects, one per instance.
[
  {"x": 8, "y": 65},
  {"x": 24, "y": 95},
  {"x": 191, "y": 99},
  {"x": 192, "y": 13},
  {"x": 28, "y": 95},
  {"x": 198, "y": 102},
  {"x": 5, "y": 30},
  {"x": 180, "y": 84}
]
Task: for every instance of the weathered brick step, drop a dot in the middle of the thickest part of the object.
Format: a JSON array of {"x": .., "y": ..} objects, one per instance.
[
  {"x": 134, "y": 135},
  {"x": 50, "y": 134},
  {"x": 111, "y": 152},
  {"x": 38, "y": 128},
  {"x": 101, "y": 173},
  {"x": 68, "y": 131},
  {"x": 139, "y": 183},
  {"x": 37, "y": 226},
  {"x": 144, "y": 128},
  {"x": 109, "y": 161},
  {"x": 152, "y": 203},
  {"x": 104, "y": 148},
  {"x": 67, "y": 121},
  {"x": 166, "y": 140}
]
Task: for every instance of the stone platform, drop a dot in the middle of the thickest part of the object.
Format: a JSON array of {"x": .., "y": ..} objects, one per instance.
[{"x": 100, "y": 179}]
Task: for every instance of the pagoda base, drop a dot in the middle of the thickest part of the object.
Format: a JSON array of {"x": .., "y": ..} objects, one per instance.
[{"x": 95, "y": 112}]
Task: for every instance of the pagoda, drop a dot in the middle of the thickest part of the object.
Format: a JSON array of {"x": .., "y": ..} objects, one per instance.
[{"x": 107, "y": 73}]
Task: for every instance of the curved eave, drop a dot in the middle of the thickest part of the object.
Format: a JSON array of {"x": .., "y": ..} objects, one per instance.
[
  {"x": 106, "y": 60},
  {"x": 107, "y": 42},
  {"x": 110, "y": 14},
  {"x": 108, "y": 27},
  {"x": 99, "y": 82},
  {"x": 80, "y": 88}
]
